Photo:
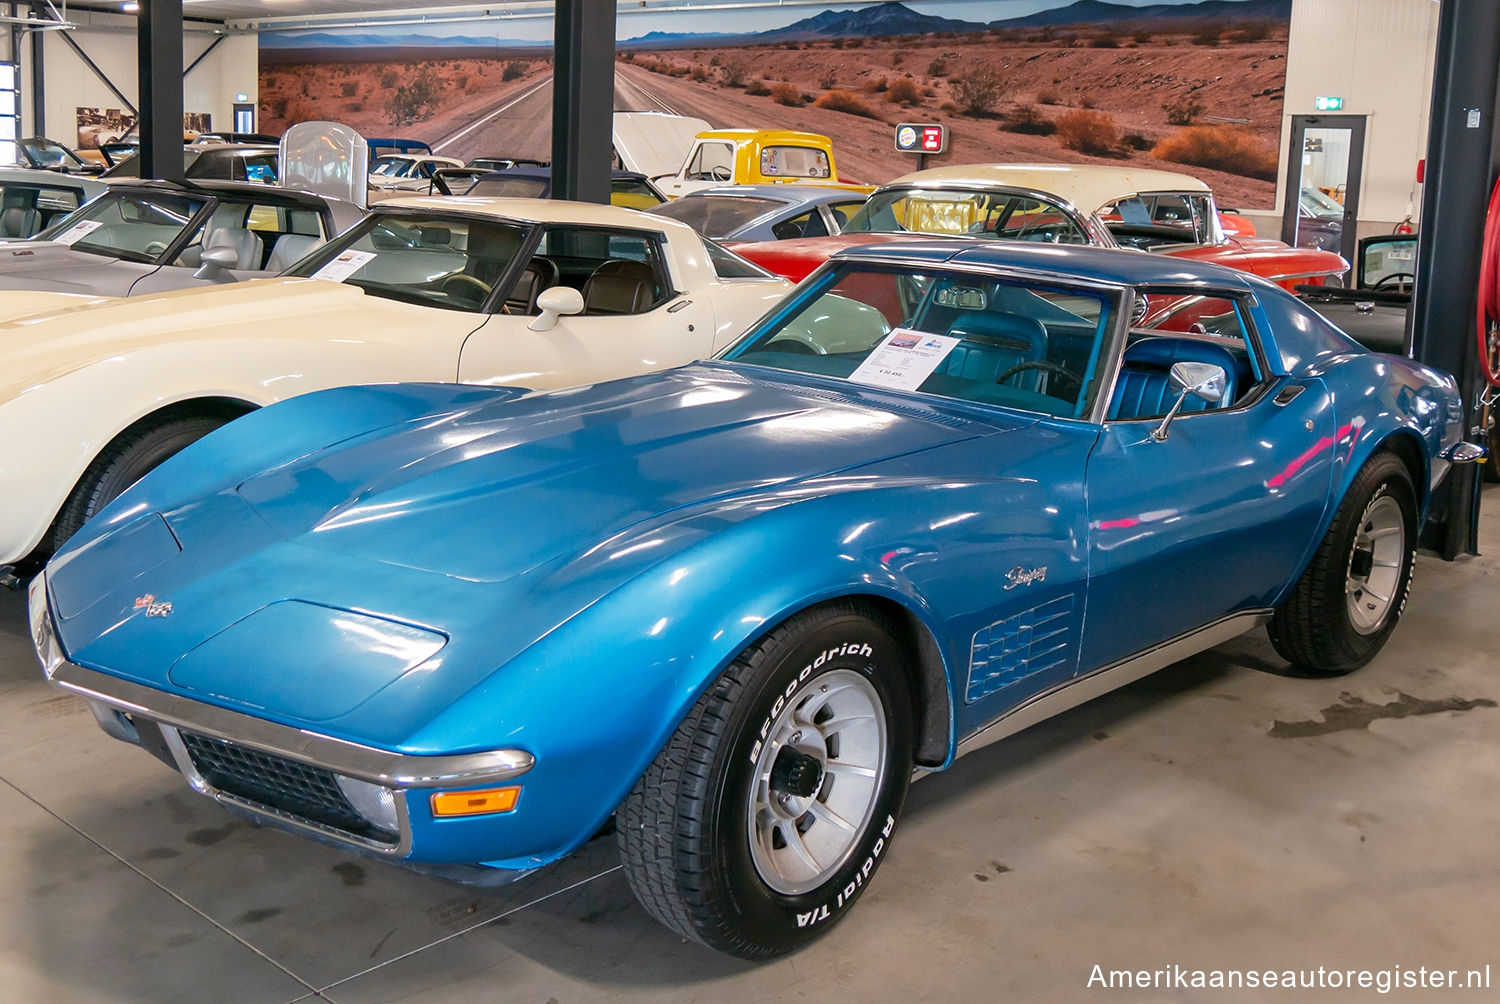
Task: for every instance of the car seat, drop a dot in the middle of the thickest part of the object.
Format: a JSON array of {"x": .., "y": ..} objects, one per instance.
[
  {"x": 1144, "y": 388},
  {"x": 290, "y": 248},
  {"x": 18, "y": 221},
  {"x": 540, "y": 274},
  {"x": 490, "y": 252},
  {"x": 993, "y": 342},
  {"x": 620, "y": 287},
  {"x": 246, "y": 245}
]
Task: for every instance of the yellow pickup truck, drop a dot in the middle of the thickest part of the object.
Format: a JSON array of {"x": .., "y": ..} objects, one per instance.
[{"x": 756, "y": 157}]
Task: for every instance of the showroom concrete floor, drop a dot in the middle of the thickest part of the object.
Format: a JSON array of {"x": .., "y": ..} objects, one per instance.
[{"x": 1216, "y": 815}]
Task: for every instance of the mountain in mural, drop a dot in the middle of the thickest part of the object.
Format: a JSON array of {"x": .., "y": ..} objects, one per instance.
[
  {"x": 339, "y": 40},
  {"x": 882, "y": 19},
  {"x": 1100, "y": 12},
  {"x": 898, "y": 20}
]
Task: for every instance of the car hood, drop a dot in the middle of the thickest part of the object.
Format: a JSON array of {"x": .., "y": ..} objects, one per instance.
[
  {"x": 455, "y": 540},
  {"x": 487, "y": 493},
  {"x": 57, "y": 268},
  {"x": 45, "y": 344}
]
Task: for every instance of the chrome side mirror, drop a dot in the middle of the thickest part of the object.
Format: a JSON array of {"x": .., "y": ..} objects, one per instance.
[
  {"x": 1201, "y": 380},
  {"x": 215, "y": 263},
  {"x": 553, "y": 303}
]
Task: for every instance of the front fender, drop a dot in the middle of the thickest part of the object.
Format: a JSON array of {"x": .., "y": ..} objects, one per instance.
[
  {"x": 277, "y": 435},
  {"x": 597, "y": 699}
]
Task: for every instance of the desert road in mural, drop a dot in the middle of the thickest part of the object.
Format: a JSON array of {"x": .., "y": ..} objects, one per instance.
[{"x": 521, "y": 125}]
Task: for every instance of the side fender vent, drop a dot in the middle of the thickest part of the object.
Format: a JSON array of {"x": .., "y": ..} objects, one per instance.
[{"x": 1032, "y": 641}]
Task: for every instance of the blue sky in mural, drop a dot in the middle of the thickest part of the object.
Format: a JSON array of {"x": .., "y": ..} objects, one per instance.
[{"x": 746, "y": 20}]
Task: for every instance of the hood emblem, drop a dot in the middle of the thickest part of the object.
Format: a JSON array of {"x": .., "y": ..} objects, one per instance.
[
  {"x": 1020, "y": 576},
  {"x": 152, "y": 607}
]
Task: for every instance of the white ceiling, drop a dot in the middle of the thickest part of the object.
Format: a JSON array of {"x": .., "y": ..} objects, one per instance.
[{"x": 313, "y": 11}]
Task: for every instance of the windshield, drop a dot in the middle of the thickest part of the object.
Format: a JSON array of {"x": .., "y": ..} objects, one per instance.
[
  {"x": 1321, "y": 205},
  {"x": 135, "y": 226},
  {"x": 392, "y": 167},
  {"x": 717, "y": 216},
  {"x": 961, "y": 336},
  {"x": 435, "y": 260},
  {"x": 511, "y": 188},
  {"x": 955, "y": 213},
  {"x": 44, "y": 153},
  {"x": 130, "y": 167}
]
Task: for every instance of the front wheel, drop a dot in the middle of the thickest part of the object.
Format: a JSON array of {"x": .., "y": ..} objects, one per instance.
[
  {"x": 1347, "y": 603},
  {"x": 134, "y": 454},
  {"x": 768, "y": 811}
]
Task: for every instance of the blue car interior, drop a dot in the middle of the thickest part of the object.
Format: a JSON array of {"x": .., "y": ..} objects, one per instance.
[
  {"x": 1144, "y": 389},
  {"x": 994, "y": 342}
]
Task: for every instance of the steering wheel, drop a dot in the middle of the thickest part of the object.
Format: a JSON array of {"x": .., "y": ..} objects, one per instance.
[
  {"x": 721, "y": 173},
  {"x": 154, "y": 248},
  {"x": 457, "y": 286},
  {"x": 1394, "y": 279},
  {"x": 1044, "y": 366}
]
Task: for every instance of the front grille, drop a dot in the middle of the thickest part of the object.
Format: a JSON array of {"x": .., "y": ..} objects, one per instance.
[{"x": 267, "y": 779}]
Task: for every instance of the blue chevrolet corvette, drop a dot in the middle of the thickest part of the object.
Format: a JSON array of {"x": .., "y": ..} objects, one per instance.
[{"x": 940, "y": 493}]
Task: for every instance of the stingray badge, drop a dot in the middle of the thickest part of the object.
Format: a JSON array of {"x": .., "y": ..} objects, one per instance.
[{"x": 153, "y": 606}]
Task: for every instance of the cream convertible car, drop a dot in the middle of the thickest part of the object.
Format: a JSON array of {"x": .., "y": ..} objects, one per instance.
[{"x": 94, "y": 392}]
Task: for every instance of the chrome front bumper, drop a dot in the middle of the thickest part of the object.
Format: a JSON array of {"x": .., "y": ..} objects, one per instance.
[{"x": 118, "y": 704}]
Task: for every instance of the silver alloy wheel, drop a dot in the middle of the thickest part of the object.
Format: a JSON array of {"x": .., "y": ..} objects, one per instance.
[
  {"x": 816, "y": 781},
  {"x": 1375, "y": 564}
]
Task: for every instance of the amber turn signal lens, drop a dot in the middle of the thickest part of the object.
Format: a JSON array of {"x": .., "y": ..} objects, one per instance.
[{"x": 474, "y": 803}]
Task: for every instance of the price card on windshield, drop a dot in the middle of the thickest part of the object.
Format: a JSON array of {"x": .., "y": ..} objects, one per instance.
[
  {"x": 78, "y": 232},
  {"x": 903, "y": 359},
  {"x": 344, "y": 265}
]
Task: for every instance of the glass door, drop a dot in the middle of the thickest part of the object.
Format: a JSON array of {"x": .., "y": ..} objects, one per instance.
[{"x": 1325, "y": 159}]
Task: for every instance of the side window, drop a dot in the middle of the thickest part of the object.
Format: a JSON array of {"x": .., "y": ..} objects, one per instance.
[
  {"x": 618, "y": 272},
  {"x": 261, "y": 168},
  {"x": 843, "y": 210},
  {"x": 712, "y": 162},
  {"x": 808, "y": 224},
  {"x": 1180, "y": 328},
  {"x": 632, "y": 193}
]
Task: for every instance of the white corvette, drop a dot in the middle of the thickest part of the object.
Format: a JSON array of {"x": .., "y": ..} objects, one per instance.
[{"x": 96, "y": 391}]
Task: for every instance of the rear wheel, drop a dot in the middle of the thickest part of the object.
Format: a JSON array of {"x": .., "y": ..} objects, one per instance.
[
  {"x": 770, "y": 808},
  {"x": 132, "y": 455},
  {"x": 1347, "y": 603}
]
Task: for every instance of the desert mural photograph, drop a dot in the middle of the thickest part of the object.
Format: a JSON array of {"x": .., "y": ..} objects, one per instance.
[{"x": 1195, "y": 87}]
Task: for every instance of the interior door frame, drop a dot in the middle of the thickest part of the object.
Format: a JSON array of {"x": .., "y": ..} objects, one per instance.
[{"x": 1300, "y": 124}]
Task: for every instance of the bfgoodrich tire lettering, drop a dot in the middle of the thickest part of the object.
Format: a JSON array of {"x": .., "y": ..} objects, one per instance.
[
  {"x": 1347, "y": 603},
  {"x": 686, "y": 831}
]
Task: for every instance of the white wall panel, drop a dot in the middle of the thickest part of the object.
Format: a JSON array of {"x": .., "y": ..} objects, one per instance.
[
  {"x": 1377, "y": 55},
  {"x": 110, "y": 41}
]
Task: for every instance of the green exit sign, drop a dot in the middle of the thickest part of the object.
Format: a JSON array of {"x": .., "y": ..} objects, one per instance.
[{"x": 1328, "y": 104}]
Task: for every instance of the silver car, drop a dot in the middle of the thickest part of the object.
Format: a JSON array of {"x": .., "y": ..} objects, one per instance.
[{"x": 153, "y": 236}]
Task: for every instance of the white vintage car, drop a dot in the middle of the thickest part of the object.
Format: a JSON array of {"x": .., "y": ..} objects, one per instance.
[{"x": 95, "y": 391}]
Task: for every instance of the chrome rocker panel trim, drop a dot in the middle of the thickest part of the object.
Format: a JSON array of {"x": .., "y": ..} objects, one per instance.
[{"x": 1071, "y": 693}]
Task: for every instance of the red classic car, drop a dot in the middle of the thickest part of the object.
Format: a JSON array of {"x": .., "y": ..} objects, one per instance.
[{"x": 1157, "y": 211}]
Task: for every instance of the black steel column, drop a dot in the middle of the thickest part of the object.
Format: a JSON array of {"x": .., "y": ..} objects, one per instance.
[
  {"x": 159, "y": 45},
  {"x": 38, "y": 125},
  {"x": 583, "y": 99},
  {"x": 1460, "y": 170}
]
